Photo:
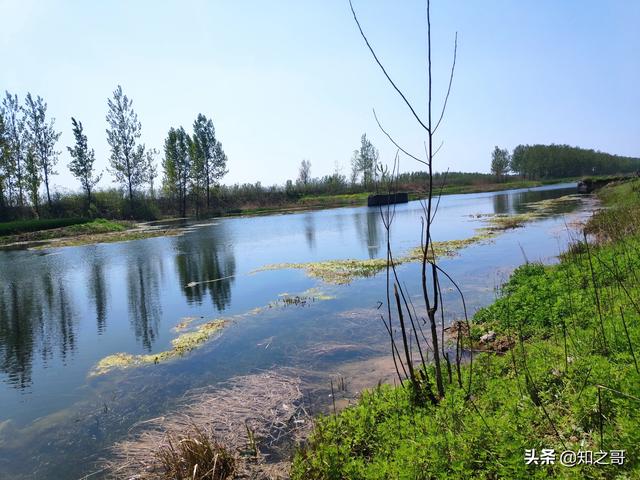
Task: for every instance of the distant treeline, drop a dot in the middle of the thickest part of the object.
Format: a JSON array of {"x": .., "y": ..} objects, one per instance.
[
  {"x": 558, "y": 161},
  {"x": 193, "y": 164}
]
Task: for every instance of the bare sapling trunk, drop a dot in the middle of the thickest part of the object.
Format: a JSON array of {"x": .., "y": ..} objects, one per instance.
[{"x": 409, "y": 322}]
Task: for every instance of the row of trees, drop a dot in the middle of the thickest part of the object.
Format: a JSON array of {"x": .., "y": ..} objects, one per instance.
[
  {"x": 558, "y": 161},
  {"x": 193, "y": 164},
  {"x": 28, "y": 156},
  {"x": 365, "y": 169},
  {"x": 27, "y": 150}
]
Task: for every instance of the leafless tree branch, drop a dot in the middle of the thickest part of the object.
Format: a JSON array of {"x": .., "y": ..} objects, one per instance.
[{"x": 366, "y": 40}]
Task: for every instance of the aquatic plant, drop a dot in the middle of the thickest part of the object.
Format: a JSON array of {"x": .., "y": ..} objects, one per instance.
[{"x": 181, "y": 345}]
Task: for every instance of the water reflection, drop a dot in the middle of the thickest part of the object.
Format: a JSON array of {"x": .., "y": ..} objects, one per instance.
[
  {"x": 143, "y": 282},
  {"x": 368, "y": 227},
  {"x": 310, "y": 231},
  {"x": 501, "y": 203},
  {"x": 35, "y": 316},
  {"x": 205, "y": 263},
  {"x": 99, "y": 293}
]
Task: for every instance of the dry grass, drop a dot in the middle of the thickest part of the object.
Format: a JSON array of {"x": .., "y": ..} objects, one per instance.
[
  {"x": 257, "y": 418},
  {"x": 194, "y": 455}
]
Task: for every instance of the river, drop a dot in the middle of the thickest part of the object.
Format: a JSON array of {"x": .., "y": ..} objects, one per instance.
[{"x": 64, "y": 309}]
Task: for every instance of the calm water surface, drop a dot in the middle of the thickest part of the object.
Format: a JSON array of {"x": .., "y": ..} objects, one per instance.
[{"x": 62, "y": 310}]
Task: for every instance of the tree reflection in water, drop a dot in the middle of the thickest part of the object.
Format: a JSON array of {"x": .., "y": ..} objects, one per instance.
[{"x": 205, "y": 263}]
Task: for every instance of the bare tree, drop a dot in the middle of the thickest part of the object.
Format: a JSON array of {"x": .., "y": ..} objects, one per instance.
[{"x": 411, "y": 332}]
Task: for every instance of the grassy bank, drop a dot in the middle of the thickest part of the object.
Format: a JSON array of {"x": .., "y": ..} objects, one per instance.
[
  {"x": 36, "y": 230},
  {"x": 25, "y": 226},
  {"x": 81, "y": 232},
  {"x": 312, "y": 202},
  {"x": 569, "y": 382}
]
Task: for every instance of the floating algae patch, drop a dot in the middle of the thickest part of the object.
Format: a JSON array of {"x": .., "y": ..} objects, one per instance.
[
  {"x": 501, "y": 222},
  {"x": 550, "y": 204},
  {"x": 340, "y": 272},
  {"x": 180, "y": 345},
  {"x": 184, "y": 323},
  {"x": 195, "y": 336}
]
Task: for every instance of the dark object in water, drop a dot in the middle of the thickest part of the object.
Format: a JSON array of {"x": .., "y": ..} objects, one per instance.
[{"x": 399, "y": 197}]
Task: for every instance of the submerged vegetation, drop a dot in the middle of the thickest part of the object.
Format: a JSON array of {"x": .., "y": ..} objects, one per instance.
[
  {"x": 343, "y": 271},
  {"x": 570, "y": 382},
  {"x": 193, "y": 336},
  {"x": 180, "y": 345}
]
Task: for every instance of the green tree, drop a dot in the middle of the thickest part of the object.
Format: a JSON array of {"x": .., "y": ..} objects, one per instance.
[
  {"x": 82, "y": 160},
  {"x": 559, "y": 161},
  {"x": 15, "y": 149},
  {"x": 355, "y": 172},
  {"x": 128, "y": 162},
  {"x": 367, "y": 160},
  {"x": 152, "y": 169},
  {"x": 304, "y": 173},
  {"x": 177, "y": 166},
  {"x": 209, "y": 159},
  {"x": 42, "y": 137},
  {"x": 4, "y": 155},
  {"x": 33, "y": 179},
  {"x": 500, "y": 162}
]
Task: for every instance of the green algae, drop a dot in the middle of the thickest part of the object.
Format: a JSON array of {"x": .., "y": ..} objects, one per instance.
[
  {"x": 194, "y": 336},
  {"x": 184, "y": 323},
  {"x": 181, "y": 345},
  {"x": 500, "y": 222},
  {"x": 343, "y": 271}
]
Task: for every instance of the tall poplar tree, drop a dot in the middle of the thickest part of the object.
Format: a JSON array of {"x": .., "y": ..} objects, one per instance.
[
  {"x": 33, "y": 179},
  {"x": 367, "y": 160},
  {"x": 42, "y": 138},
  {"x": 177, "y": 165},
  {"x": 209, "y": 158},
  {"x": 14, "y": 156},
  {"x": 82, "y": 160},
  {"x": 4, "y": 155},
  {"x": 128, "y": 162}
]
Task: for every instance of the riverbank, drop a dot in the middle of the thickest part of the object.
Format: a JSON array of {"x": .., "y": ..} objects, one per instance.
[
  {"x": 570, "y": 382},
  {"x": 318, "y": 202},
  {"x": 46, "y": 233},
  {"x": 43, "y": 233}
]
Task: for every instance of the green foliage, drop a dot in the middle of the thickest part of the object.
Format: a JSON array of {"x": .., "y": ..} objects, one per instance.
[
  {"x": 569, "y": 382},
  {"x": 366, "y": 161},
  {"x": 500, "y": 161},
  {"x": 128, "y": 162},
  {"x": 82, "y": 159},
  {"x": 177, "y": 165},
  {"x": 24, "y": 226},
  {"x": 41, "y": 138},
  {"x": 557, "y": 161}
]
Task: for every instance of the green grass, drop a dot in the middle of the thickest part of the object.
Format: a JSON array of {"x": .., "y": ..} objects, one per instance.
[
  {"x": 570, "y": 382},
  {"x": 77, "y": 229},
  {"x": 25, "y": 226}
]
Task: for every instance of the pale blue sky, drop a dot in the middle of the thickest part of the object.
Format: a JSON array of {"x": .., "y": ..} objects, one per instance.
[{"x": 287, "y": 80}]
